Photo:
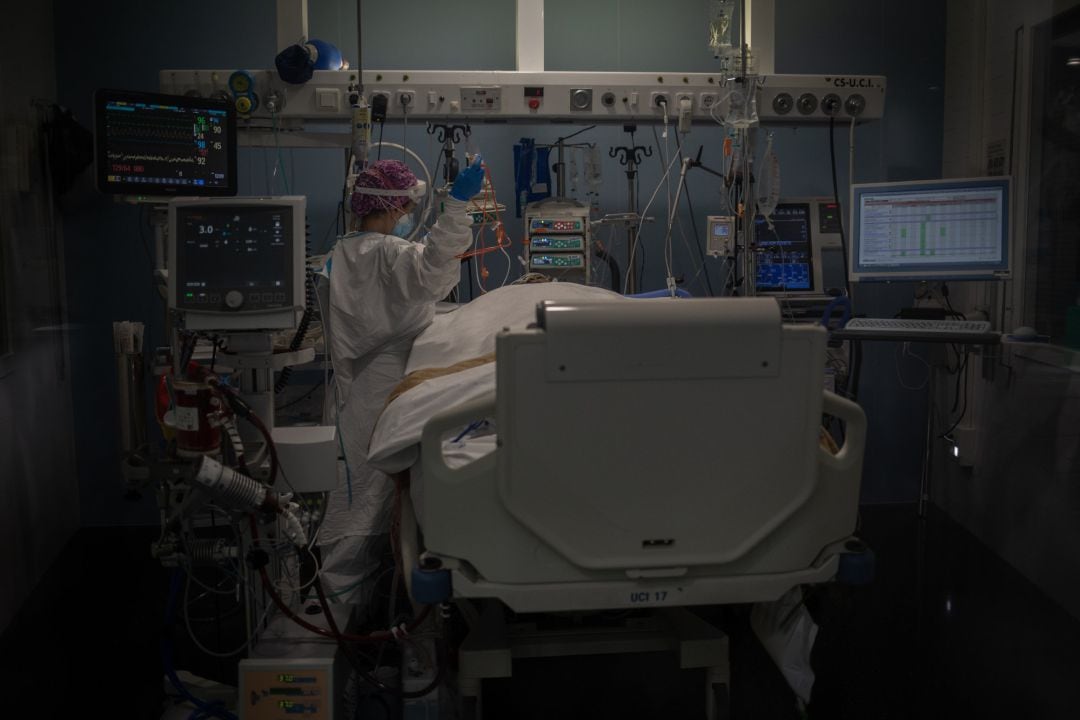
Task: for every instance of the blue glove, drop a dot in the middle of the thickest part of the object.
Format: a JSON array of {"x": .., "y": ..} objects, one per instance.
[{"x": 469, "y": 181}]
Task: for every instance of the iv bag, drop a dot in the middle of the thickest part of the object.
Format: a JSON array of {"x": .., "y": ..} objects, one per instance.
[
  {"x": 592, "y": 168},
  {"x": 742, "y": 105},
  {"x": 768, "y": 194},
  {"x": 720, "y": 15}
]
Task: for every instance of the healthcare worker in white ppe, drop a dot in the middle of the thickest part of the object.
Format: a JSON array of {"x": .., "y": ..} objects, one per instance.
[{"x": 382, "y": 294}]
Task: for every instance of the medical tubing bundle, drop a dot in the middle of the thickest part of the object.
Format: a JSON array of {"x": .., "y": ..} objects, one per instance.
[
  {"x": 241, "y": 409},
  {"x": 374, "y": 637},
  {"x": 440, "y": 667},
  {"x": 693, "y": 224},
  {"x": 249, "y": 495},
  {"x": 637, "y": 236},
  {"x": 207, "y": 709}
]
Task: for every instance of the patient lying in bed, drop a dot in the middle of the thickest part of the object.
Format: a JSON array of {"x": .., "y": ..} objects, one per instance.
[{"x": 451, "y": 362}]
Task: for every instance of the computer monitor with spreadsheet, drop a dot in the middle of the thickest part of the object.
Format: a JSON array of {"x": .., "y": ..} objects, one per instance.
[{"x": 930, "y": 230}]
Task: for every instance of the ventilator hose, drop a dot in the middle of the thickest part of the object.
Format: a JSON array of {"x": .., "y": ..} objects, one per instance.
[
  {"x": 205, "y": 551},
  {"x": 237, "y": 489}
]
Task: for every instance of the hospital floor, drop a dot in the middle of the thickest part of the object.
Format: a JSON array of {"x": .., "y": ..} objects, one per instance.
[{"x": 947, "y": 630}]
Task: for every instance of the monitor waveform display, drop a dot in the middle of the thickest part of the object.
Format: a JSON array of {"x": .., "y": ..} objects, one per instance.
[
  {"x": 137, "y": 157},
  {"x": 160, "y": 144}
]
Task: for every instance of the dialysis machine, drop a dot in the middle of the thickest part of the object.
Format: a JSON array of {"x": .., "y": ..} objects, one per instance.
[{"x": 233, "y": 274}]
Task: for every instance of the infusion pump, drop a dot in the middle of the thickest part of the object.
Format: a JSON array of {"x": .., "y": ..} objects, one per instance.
[{"x": 558, "y": 240}]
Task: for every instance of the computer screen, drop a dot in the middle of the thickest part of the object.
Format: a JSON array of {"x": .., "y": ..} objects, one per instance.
[
  {"x": 784, "y": 256},
  {"x": 239, "y": 257},
  {"x": 931, "y": 230},
  {"x": 149, "y": 144}
]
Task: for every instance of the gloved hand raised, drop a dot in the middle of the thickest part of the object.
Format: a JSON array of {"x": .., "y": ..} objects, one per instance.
[{"x": 469, "y": 181}]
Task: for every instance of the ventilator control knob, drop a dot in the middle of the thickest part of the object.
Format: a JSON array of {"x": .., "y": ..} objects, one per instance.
[{"x": 234, "y": 299}]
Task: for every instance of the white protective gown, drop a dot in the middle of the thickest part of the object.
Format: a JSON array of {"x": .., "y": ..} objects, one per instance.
[{"x": 382, "y": 294}]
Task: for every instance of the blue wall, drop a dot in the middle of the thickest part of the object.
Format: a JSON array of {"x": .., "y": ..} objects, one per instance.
[{"x": 124, "y": 43}]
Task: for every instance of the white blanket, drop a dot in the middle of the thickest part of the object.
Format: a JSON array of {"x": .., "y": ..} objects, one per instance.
[{"x": 464, "y": 334}]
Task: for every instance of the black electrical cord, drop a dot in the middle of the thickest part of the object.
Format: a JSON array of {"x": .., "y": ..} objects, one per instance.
[
  {"x": 302, "y": 398},
  {"x": 378, "y": 154},
  {"x": 961, "y": 373},
  {"x": 836, "y": 198},
  {"x": 359, "y": 44},
  {"x": 438, "y": 164},
  {"x": 301, "y": 331},
  {"x": 310, "y": 303},
  {"x": 187, "y": 350},
  {"x": 855, "y": 356},
  {"x": 948, "y": 303},
  {"x": 963, "y": 409},
  {"x": 613, "y": 267}
]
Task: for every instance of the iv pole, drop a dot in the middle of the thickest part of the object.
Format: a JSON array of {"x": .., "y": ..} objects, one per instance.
[{"x": 630, "y": 157}]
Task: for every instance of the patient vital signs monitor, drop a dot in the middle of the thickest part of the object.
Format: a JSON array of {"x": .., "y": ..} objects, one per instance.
[
  {"x": 930, "y": 230},
  {"x": 149, "y": 144}
]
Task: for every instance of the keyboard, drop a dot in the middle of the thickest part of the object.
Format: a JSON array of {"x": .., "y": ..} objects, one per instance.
[{"x": 912, "y": 329}]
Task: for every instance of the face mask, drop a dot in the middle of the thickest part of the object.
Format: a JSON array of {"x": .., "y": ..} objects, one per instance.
[{"x": 404, "y": 226}]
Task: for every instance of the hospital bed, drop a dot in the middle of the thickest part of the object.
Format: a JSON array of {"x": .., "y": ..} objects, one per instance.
[{"x": 645, "y": 454}]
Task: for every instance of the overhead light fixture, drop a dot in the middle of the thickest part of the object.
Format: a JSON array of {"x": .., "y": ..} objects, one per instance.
[{"x": 1073, "y": 61}]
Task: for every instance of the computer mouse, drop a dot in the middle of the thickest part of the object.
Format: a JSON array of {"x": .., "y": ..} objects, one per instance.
[{"x": 1025, "y": 332}]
